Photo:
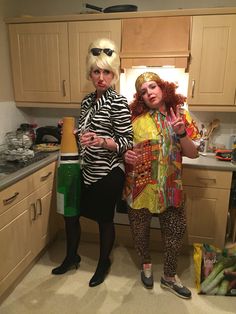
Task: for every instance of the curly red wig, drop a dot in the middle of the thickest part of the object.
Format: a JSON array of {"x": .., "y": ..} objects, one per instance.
[{"x": 169, "y": 98}]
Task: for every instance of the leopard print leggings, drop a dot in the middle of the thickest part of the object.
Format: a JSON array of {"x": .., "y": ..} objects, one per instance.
[{"x": 173, "y": 226}]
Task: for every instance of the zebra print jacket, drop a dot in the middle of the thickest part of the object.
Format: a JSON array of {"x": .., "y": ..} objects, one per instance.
[{"x": 108, "y": 117}]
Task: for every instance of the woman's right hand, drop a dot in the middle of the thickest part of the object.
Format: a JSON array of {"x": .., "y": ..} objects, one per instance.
[{"x": 130, "y": 157}]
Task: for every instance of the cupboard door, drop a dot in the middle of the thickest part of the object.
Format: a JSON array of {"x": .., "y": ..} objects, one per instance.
[
  {"x": 15, "y": 243},
  {"x": 212, "y": 79},
  {"x": 39, "y": 57},
  {"x": 206, "y": 210},
  {"x": 40, "y": 207},
  {"x": 81, "y": 34}
]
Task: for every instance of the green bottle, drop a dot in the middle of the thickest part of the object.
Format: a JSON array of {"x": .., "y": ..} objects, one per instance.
[{"x": 68, "y": 172}]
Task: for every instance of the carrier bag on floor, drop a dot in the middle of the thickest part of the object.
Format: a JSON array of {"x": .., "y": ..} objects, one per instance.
[{"x": 215, "y": 269}]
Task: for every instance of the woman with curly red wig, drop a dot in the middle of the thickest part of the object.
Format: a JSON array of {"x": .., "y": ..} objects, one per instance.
[{"x": 153, "y": 181}]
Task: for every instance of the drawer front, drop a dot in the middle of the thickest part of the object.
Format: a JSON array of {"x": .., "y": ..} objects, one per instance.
[
  {"x": 207, "y": 178},
  {"x": 15, "y": 193},
  {"x": 43, "y": 176}
]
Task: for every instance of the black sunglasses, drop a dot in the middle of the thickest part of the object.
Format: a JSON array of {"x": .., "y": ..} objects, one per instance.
[{"x": 97, "y": 51}]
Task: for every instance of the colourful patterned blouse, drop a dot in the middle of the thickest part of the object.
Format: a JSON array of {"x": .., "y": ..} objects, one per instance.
[{"x": 155, "y": 180}]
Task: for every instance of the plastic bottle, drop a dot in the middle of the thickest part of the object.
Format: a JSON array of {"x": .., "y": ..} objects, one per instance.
[{"x": 68, "y": 173}]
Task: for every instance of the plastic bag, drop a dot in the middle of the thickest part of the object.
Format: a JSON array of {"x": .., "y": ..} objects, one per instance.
[{"x": 215, "y": 269}]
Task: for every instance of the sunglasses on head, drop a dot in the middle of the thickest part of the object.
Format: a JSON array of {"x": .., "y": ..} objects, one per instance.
[{"x": 97, "y": 51}]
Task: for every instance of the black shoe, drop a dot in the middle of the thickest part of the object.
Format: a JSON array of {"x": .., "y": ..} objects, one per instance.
[
  {"x": 66, "y": 265},
  {"x": 100, "y": 273},
  {"x": 147, "y": 276}
]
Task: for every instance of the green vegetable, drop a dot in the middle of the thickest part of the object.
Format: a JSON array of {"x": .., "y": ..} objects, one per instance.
[
  {"x": 221, "y": 265},
  {"x": 214, "y": 290},
  {"x": 216, "y": 280},
  {"x": 224, "y": 285}
]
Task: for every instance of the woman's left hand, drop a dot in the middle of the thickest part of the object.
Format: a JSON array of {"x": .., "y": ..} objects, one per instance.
[{"x": 176, "y": 121}]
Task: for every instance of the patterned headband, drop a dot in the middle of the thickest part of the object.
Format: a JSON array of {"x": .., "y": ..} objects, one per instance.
[{"x": 146, "y": 77}]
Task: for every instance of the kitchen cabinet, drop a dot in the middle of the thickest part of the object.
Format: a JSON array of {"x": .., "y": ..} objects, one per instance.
[
  {"x": 27, "y": 222},
  {"x": 207, "y": 195},
  {"x": 49, "y": 59},
  {"x": 155, "y": 41},
  {"x": 40, "y": 62},
  {"x": 212, "y": 79}
]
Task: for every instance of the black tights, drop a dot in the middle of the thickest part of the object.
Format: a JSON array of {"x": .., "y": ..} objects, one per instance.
[
  {"x": 73, "y": 231},
  {"x": 107, "y": 238}
]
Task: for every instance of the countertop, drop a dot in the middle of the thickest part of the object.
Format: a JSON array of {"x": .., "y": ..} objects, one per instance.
[
  {"x": 24, "y": 172},
  {"x": 208, "y": 162}
]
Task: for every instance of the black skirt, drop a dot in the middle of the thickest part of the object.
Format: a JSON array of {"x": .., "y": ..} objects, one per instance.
[{"x": 98, "y": 200}]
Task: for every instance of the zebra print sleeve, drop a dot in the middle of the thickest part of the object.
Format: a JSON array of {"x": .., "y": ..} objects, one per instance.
[{"x": 121, "y": 117}]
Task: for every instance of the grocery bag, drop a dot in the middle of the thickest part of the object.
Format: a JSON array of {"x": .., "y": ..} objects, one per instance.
[{"x": 215, "y": 269}]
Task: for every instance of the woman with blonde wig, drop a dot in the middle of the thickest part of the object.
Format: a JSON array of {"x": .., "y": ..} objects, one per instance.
[{"x": 105, "y": 133}]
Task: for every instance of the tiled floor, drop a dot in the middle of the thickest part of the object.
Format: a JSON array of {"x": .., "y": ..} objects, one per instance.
[{"x": 122, "y": 292}]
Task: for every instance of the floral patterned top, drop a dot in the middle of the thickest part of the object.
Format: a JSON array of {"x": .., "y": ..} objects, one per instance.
[{"x": 155, "y": 180}]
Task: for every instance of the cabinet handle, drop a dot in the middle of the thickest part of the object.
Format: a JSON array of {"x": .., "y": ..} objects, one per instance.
[
  {"x": 10, "y": 199},
  {"x": 45, "y": 177},
  {"x": 39, "y": 201},
  {"x": 193, "y": 88},
  {"x": 64, "y": 87},
  {"x": 34, "y": 211}
]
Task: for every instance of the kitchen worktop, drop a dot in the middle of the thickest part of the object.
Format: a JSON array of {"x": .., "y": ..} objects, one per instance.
[
  {"x": 208, "y": 162},
  {"x": 22, "y": 173}
]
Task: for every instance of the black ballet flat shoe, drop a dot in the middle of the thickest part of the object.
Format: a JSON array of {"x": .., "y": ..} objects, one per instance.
[
  {"x": 66, "y": 265},
  {"x": 100, "y": 273}
]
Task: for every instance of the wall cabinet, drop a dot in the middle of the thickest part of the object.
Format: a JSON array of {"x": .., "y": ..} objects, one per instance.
[
  {"x": 155, "y": 41},
  {"x": 207, "y": 203},
  {"x": 49, "y": 59},
  {"x": 40, "y": 62},
  {"x": 27, "y": 222},
  {"x": 212, "y": 79}
]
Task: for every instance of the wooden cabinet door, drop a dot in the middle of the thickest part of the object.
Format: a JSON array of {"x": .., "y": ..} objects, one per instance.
[
  {"x": 212, "y": 79},
  {"x": 81, "y": 34},
  {"x": 40, "y": 206},
  {"x": 206, "y": 210},
  {"x": 39, "y": 57},
  {"x": 15, "y": 245}
]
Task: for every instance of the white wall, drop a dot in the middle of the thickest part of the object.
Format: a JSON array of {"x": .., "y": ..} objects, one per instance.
[{"x": 10, "y": 116}]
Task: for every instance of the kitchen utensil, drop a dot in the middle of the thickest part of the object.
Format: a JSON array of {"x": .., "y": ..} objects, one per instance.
[
  {"x": 114, "y": 8},
  {"x": 212, "y": 126}
]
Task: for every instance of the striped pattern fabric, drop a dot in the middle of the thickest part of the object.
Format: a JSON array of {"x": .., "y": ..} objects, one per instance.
[{"x": 108, "y": 117}]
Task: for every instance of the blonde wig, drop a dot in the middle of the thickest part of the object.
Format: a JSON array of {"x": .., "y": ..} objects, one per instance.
[{"x": 103, "y": 61}]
